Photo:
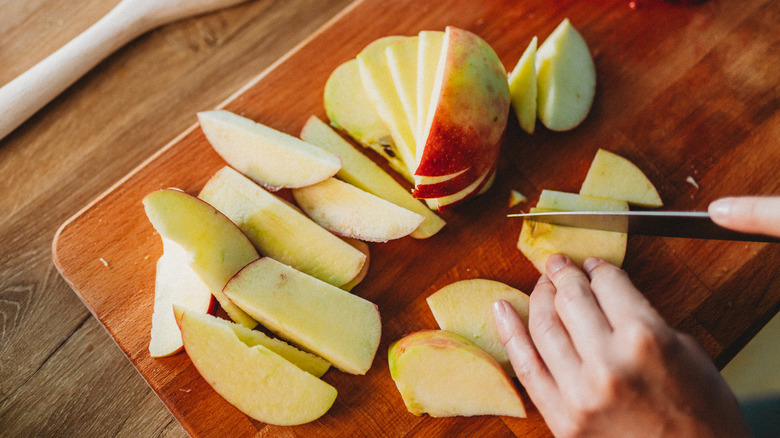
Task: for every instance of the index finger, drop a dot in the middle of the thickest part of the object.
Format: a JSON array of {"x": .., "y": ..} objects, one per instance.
[{"x": 750, "y": 214}]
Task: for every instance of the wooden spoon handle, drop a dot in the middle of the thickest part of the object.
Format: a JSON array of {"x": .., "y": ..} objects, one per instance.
[{"x": 26, "y": 94}]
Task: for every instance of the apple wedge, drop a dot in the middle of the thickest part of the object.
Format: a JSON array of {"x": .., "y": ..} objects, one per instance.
[
  {"x": 444, "y": 374},
  {"x": 538, "y": 240},
  {"x": 612, "y": 176},
  {"x": 349, "y": 109},
  {"x": 175, "y": 284},
  {"x": 280, "y": 231},
  {"x": 362, "y": 247},
  {"x": 314, "y": 365},
  {"x": 349, "y": 211},
  {"x": 522, "y": 88},
  {"x": 216, "y": 248},
  {"x": 402, "y": 63},
  {"x": 468, "y": 110},
  {"x": 254, "y": 379},
  {"x": 360, "y": 171},
  {"x": 466, "y": 308},
  {"x": 342, "y": 328},
  {"x": 271, "y": 158},
  {"x": 565, "y": 78},
  {"x": 428, "y": 54}
]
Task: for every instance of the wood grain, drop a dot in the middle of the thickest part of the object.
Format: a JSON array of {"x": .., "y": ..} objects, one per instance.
[{"x": 683, "y": 91}]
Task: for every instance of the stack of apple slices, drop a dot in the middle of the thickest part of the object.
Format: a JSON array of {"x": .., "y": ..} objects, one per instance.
[
  {"x": 612, "y": 183},
  {"x": 434, "y": 105}
]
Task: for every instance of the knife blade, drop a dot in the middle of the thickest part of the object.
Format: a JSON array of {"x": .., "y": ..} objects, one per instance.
[{"x": 688, "y": 224}]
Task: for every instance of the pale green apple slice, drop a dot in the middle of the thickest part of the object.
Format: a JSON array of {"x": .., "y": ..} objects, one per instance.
[
  {"x": 402, "y": 62},
  {"x": 538, "y": 240},
  {"x": 360, "y": 171},
  {"x": 280, "y": 231},
  {"x": 566, "y": 79},
  {"x": 336, "y": 325},
  {"x": 348, "y": 107},
  {"x": 466, "y": 308},
  {"x": 314, "y": 365},
  {"x": 613, "y": 176},
  {"x": 428, "y": 56},
  {"x": 176, "y": 283},
  {"x": 364, "y": 248},
  {"x": 378, "y": 83},
  {"x": 256, "y": 380},
  {"x": 444, "y": 375},
  {"x": 348, "y": 211},
  {"x": 522, "y": 88},
  {"x": 216, "y": 247},
  {"x": 270, "y": 157}
]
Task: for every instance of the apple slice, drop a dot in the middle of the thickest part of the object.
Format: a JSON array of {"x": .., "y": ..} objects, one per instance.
[
  {"x": 349, "y": 109},
  {"x": 362, "y": 247},
  {"x": 428, "y": 54},
  {"x": 402, "y": 63},
  {"x": 314, "y": 365},
  {"x": 378, "y": 83},
  {"x": 612, "y": 176},
  {"x": 280, "y": 231},
  {"x": 478, "y": 187},
  {"x": 256, "y": 380},
  {"x": 271, "y": 158},
  {"x": 522, "y": 88},
  {"x": 360, "y": 171},
  {"x": 444, "y": 374},
  {"x": 175, "y": 283},
  {"x": 565, "y": 77},
  {"x": 468, "y": 109},
  {"x": 538, "y": 240},
  {"x": 216, "y": 247},
  {"x": 348, "y": 211},
  {"x": 342, "y": 328},
  {"x": 466, "y": 308}
]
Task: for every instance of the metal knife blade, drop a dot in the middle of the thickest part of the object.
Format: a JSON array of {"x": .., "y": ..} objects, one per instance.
[{"x": 689, "y": 224}]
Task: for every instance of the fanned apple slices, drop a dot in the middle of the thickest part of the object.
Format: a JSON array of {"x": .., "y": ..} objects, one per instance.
[{"x": 443, "y": 98}]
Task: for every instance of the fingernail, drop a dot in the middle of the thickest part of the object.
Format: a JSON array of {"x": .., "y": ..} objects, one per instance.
[
  {"x": 555, "y": 263},
  {"x": 500, "y": 315},
  {"x": 720, "y": 209},
  {"x": 590, "y": 263}
]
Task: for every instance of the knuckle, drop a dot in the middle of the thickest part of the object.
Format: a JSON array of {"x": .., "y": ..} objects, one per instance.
[{"x": 646, "y": 341}]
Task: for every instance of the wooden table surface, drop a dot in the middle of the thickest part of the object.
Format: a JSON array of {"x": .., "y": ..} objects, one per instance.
[
  {"x": 62, "y": 375},
  {"x": 56, "y": 360}
]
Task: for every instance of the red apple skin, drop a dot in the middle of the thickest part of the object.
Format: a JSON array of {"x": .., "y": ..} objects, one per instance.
[
  {"x": 471, "y": 114},
  {"x": 448, "y": 187}
]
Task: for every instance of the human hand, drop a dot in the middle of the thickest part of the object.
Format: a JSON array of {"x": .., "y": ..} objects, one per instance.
[
  {"x": 598, "y": 360},
  {"x": 750, "y": 214}
]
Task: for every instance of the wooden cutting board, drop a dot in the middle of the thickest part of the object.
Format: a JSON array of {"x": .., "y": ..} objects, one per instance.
[{"x": 688, "y": 93}]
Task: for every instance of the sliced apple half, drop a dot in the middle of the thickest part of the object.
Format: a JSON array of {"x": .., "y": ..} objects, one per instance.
[
  {"x": 256, "y": 380},
  {"x": 522, "y": 88},
  {"x": 444, "y": 374},
  {"x": 215, "y": 246},
  {"x": 349, "y": 109},
  {"x": 336, "y": 325},
  {"x": 360, "y": 171},
  {"x": 176, "y": 283},
  {"x": 565, "y": 77},
  {"x": 280, "y": 231},
  {"x": 613, "y": 176},
  {"x": 270, "y": 157},
  {"x": 349, "y": 211},
  {"x": 538, "y": 240},
  {"x": 466, "y": 308}
]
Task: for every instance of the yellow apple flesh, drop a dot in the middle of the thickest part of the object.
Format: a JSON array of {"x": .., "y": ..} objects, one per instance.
[
  {"x": 538, "y": 240},
  {"x": 348, "y": 211},
  {"x": 216, "y": 247},
  {"x": 336, "y": 325},
  {"x": 280, "y": 231},
  {"x": 466, "y": 308},
  {"x": 271, "y": 158},
  {"x": 360, "y": 171},
  {"x": 613, "y": 176},
  {"x": 402, "y": 63},
  {"x": 522, "y": 88},
  {"x": 565, "y": 77},
  {"x": 444, "y": 374},
  {"x": 428, "y": 54},
  {"x": 254, "y": 379}
]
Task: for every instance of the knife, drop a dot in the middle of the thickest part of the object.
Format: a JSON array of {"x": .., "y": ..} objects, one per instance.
[{"x": 691, "y": 224}]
